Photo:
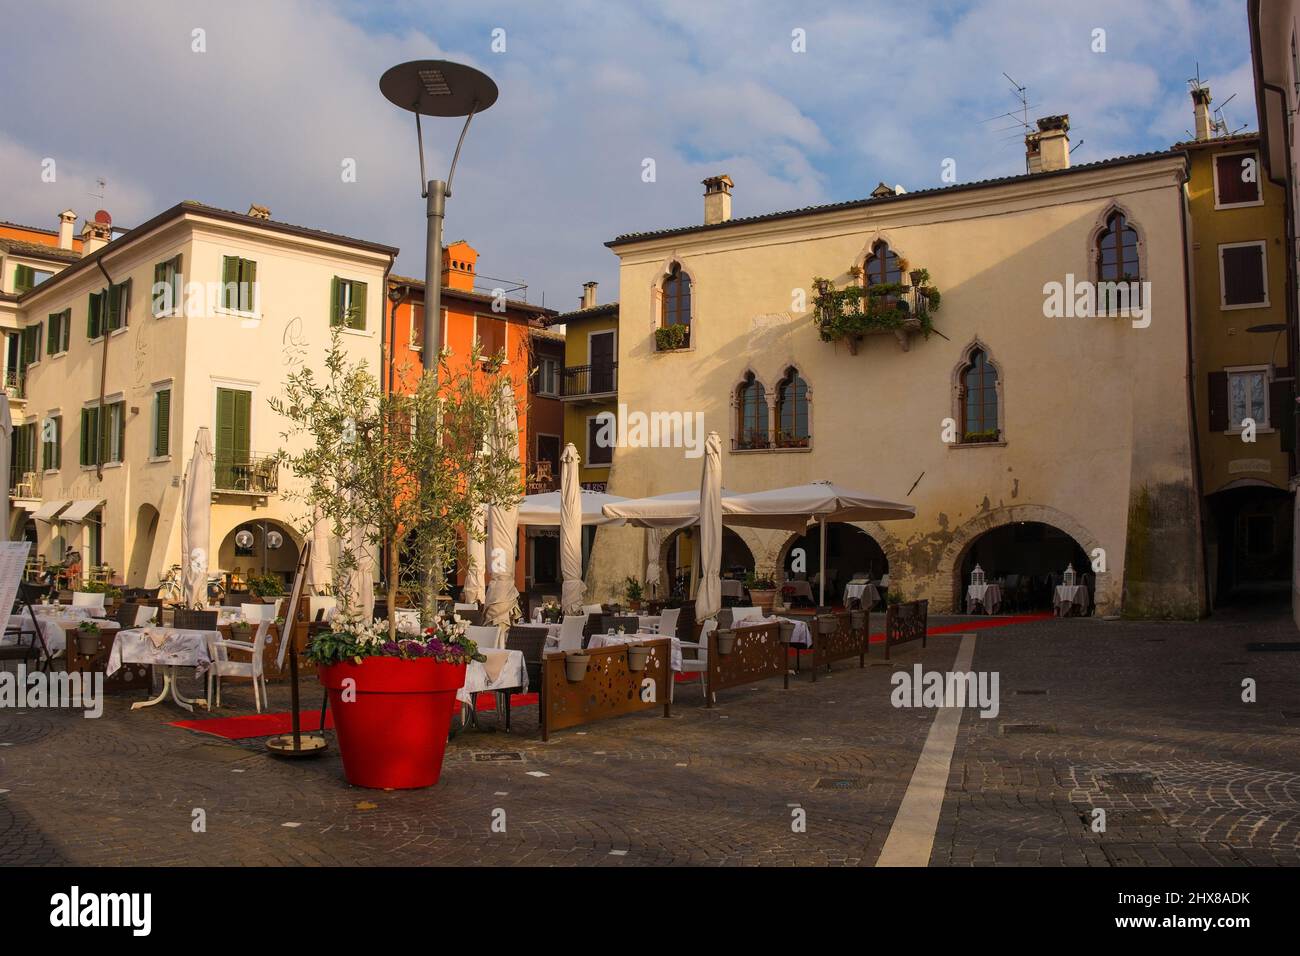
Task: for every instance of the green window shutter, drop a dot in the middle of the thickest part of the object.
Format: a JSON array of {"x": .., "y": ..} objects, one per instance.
[
  {"x": 121, "y": 431},
  {"x": 336, "y": 305},
  {"x": 54, "y": 336},
  {"x": 84, "y": 451},
  {"x": 24, "y": 278},
  {"x": 66, "y": 327},
  {"x": 229, "y": 281},
  {"x": 359, "y": 305},
  {"x": 243, "y": 420},
  {"x": 250, "y": 270},
  {"x": 159, "y": 278},
  {"x": 162, "y": 423},
  {"x": 92, "y": 315}
]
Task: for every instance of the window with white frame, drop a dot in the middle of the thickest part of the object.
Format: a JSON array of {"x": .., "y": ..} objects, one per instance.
[
  {"x": 1243, "y": 275},
  {"x": 1236, "y": 180}
]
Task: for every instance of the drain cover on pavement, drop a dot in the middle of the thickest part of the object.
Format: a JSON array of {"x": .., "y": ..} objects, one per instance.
[
  {"x": 1130, "y": 782},
  {"x": 1027, "y": 729},
  {"x": 1126, "y": 817},
  {"x": 499, "y": 755},
  {"x": 839, "y": 783}
]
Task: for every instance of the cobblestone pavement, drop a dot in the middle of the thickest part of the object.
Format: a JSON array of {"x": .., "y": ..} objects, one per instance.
[{"x": 1144, "y": 720}]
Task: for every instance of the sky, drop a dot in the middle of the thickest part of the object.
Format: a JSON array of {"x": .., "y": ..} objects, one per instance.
[{"x": 800, "y": 103}]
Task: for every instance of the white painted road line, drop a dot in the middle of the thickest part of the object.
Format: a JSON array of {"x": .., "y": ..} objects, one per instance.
[{"x": 911, "y": 838}]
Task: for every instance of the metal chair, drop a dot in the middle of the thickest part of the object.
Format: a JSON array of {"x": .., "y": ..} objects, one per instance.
[{"x": 36, "y": 650}]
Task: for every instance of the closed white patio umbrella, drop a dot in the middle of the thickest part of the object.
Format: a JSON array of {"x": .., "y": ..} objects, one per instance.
[
  {"x": 573, "y": 590},
  {"x": 503, "y": 525},
  {"x": 6, "y": 436},
  {"x": 708, "y": 597},
  {"x": 473, "y": 590},
  {"x": 654, "y": 539},
  {"x": 318, "y": 567},
  {"x": 196, "y": 522}
]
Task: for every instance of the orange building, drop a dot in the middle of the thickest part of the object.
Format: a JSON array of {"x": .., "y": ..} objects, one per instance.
[{"x": 474, "y": 308}]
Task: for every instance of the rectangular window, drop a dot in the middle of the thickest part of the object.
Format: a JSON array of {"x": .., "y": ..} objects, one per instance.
[
  {"x": 103, "y": 435},
  {"x": 598, "y": 452},
  {"x": 108, "y": 310},
  {"x": 56, "y": 336},
  {"x": 24, "y": 451},
  {"x": 547, "y": 378},
  {"x": 239, "y": 285},
  {"x": 30, "y": 347},
  {"x": 1236, "y": 180},
  {"x": 234, "y": 426},
  {"x": 1243, "y": 275},
  {"x": 162, "y": 422},
  {"x": 417, "y": 326},
  {"x": 27, "y": 278},
  {"x": 1248, "y": 398},
  {"x": 167, "y": 290},
  {"x": 348, "y": 303},
  {"x": 52, "y": 443},
  {"x": 490, "y": 334}
]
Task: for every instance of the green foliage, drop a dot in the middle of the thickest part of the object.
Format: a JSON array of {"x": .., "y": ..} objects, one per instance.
[
  {"x": 406, "y": 468},
  {"x": 857, "y": 310},
  {"x": 632, "y": 588},
  {"x": 110, "y": 591},
  {"x": 760, "y": 580},
  {"x": 989, "y": 434},
  {"x": 669, "y": 337},
  {"x": 265, "y": 585}
]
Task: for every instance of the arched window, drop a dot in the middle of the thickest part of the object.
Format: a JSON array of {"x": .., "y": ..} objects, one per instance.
[
  {"x": 677, "y": 297},
  {"x": 881, "y": 267},
  {"x": 1117, "y": 251},
  {"x": 792, "y": 411},
  {"x": 979, "y": 399},
  {"x": 751, "y": 414}
]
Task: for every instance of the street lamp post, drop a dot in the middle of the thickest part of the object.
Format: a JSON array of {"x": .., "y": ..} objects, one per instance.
[{"x": 436, "y": 88}]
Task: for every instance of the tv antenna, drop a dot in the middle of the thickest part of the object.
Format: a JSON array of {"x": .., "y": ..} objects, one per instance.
[{"x": 1019, "y": 117}]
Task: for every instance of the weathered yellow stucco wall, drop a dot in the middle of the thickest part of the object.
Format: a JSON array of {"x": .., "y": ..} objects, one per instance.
[{"x": 1096, "y": 417}]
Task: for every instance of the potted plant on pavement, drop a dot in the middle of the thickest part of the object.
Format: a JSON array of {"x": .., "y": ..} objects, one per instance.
[
  {"x": 761, "y": 586},
  {"x": 87, "y": 638},
  {"x": 402, "y": 474},
  {"x": 632, "y": 591},
  {"x": 266, "y": 587}
]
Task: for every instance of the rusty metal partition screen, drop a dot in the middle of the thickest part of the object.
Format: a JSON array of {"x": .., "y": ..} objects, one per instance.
[
  {"x": 905, "y": 622},
  {"x": 608, "y": 689},
  {"x": 845, "y": 642},
  {"x": 756, "y": 654}
]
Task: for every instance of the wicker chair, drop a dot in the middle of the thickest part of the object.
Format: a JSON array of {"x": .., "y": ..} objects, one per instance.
[
  {"x": 191, "y": 620},
  {"x": 531, "y": 641}
]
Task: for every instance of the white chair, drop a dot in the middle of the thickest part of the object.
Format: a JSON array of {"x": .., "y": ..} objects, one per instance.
[
  {"x": 590, "y": 609},
  {"x": 223, "y": 666},
  {"x": 144, "y": 614},
  {"x": 321, "y": 602},
  {"x": 92, "y": 602},
  {"x": 701, "y": 663},
  {"x": 668, "y": 621},
  {"x": 465, "y": 607},
  {"x": 571, "y": 632},
  {"x": 739, "y": 614},
  {"x": 257, "y": 612},
  {"x": 486, "y": 635}
]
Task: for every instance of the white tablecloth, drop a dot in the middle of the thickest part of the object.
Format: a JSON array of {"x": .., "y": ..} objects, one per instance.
[
  {"x": 52, "y": 628},
  {"x": 732, "y": 588},
  {"x": 866, "y": 593},
  {"x": 608, "y": 640},
  {"x": 802, "y": 589},
  {"x": 1070, "y": 595},
  {"x": 648, "y": 622},
  {"x": 802, "y": 635},
  {"x": 182, "y": 648},
  {"x": 989, "y": 596},
  {"x": 478, "y": 679}
]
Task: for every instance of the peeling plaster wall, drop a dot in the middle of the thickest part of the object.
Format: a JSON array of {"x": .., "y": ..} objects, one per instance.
[{"x": 1095, "y": 412}]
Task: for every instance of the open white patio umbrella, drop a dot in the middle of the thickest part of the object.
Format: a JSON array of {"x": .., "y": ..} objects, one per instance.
[
  {"x": 573, "y": 590},
  {"x": 196, "y": 521},
  {"x": 544, "y": 509},
  {"x": 503, "y": 525},
  {"x": 708, "y": 596},
  {"x": 475, "y": 558},
  {"x": 6, "y": 436}
]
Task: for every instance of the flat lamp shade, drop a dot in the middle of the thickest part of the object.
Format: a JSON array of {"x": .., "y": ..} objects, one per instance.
[{"x": 438, "y": 88}]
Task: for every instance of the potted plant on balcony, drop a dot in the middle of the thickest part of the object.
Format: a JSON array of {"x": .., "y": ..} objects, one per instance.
[
  {"x": 857, "y": 310},
  {"x": 392, "y": 699},
  {"x": 400, "y": 474},
  {"x": 761, "y": 586},
  {"x": 668, "y": 338}
]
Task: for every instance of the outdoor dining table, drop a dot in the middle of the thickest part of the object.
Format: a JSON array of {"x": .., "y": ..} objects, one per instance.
[
  {"x": 168, "y": 648},
  {"x": 54, "y": 624},
  {"x": 798, "y": 589},
  {"x": 503, "y": 670},
  {"x": 608, "y": 640},
  {"x": 865, "y": 592},
  {"x": 987, "y": 596},
  {"x": 802, "y": 633},
  {"x": 1070, "y": 598},
  {"x": 732, "y": 588}
]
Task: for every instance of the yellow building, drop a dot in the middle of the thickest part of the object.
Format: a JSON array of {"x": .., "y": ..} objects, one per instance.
[
  {"x": 589, "y": 381},
  {"x": 1031, "y": 428},
  {"x": 1243, "y": 387}
]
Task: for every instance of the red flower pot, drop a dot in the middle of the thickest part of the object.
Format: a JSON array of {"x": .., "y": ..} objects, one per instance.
[{"x": 392, "y": 732}]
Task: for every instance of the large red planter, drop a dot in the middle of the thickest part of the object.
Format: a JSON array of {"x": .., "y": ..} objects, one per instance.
[{"x": 394, "y": 733}]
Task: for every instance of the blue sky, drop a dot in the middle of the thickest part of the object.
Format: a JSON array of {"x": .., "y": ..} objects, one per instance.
[{"x": 287, "y": 90}]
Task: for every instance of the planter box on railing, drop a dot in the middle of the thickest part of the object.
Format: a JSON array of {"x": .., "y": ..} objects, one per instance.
[
  {"x": 905, "y": 622},
  {"x": 756, "y": 654},
  {"x": 608, "y": 688},
  {"x": 844, "y": 642}
]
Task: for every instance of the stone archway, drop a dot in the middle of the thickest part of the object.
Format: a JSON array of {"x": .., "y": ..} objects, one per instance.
[
  {"x": 146, "y": 529},
  {"x": 879, "y": 540},
  {"x": 954, "y": 555}
]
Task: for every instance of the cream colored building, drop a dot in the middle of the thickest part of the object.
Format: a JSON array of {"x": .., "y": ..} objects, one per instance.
[
  {"x": 1072, "y": 433},
  {"x": 154, "y": 375}
]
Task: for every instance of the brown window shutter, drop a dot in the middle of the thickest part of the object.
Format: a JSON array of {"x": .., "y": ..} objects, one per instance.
[
  {"x": 1218, "y": 401},
  {"x": 1243, "y": 275},
  {"x": 1281, "y": 407},
  {"x": 1230, "y": 170}
]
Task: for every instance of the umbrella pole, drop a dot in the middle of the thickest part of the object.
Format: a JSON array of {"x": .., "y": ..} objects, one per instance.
[{"x": 821, "y": 563}]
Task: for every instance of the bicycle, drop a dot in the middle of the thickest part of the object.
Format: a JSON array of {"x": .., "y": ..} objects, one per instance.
[{"x": 169, "y": 584}]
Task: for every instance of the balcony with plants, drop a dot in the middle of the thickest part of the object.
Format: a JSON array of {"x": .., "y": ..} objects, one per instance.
[{"x": 857, "y": 310}]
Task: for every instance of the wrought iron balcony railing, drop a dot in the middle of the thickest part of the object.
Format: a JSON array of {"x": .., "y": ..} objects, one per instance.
[
  {"x": 589, "y": 380},
  {"x": 248, "y": 472}
]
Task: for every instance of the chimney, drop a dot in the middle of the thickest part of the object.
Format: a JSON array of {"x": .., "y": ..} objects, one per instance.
[
  {"x": 96, "y": 233},
  {"x": 1201, "y": 110},
  {"x": 588, "y": 295},
  {"x": 258, "y": 212},
  {"x": 1049, "y": 148},
  {"x": 67, "y": 224},
  {"x": 459, "y": 264},
  {"x": 717, "y": 199}
]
